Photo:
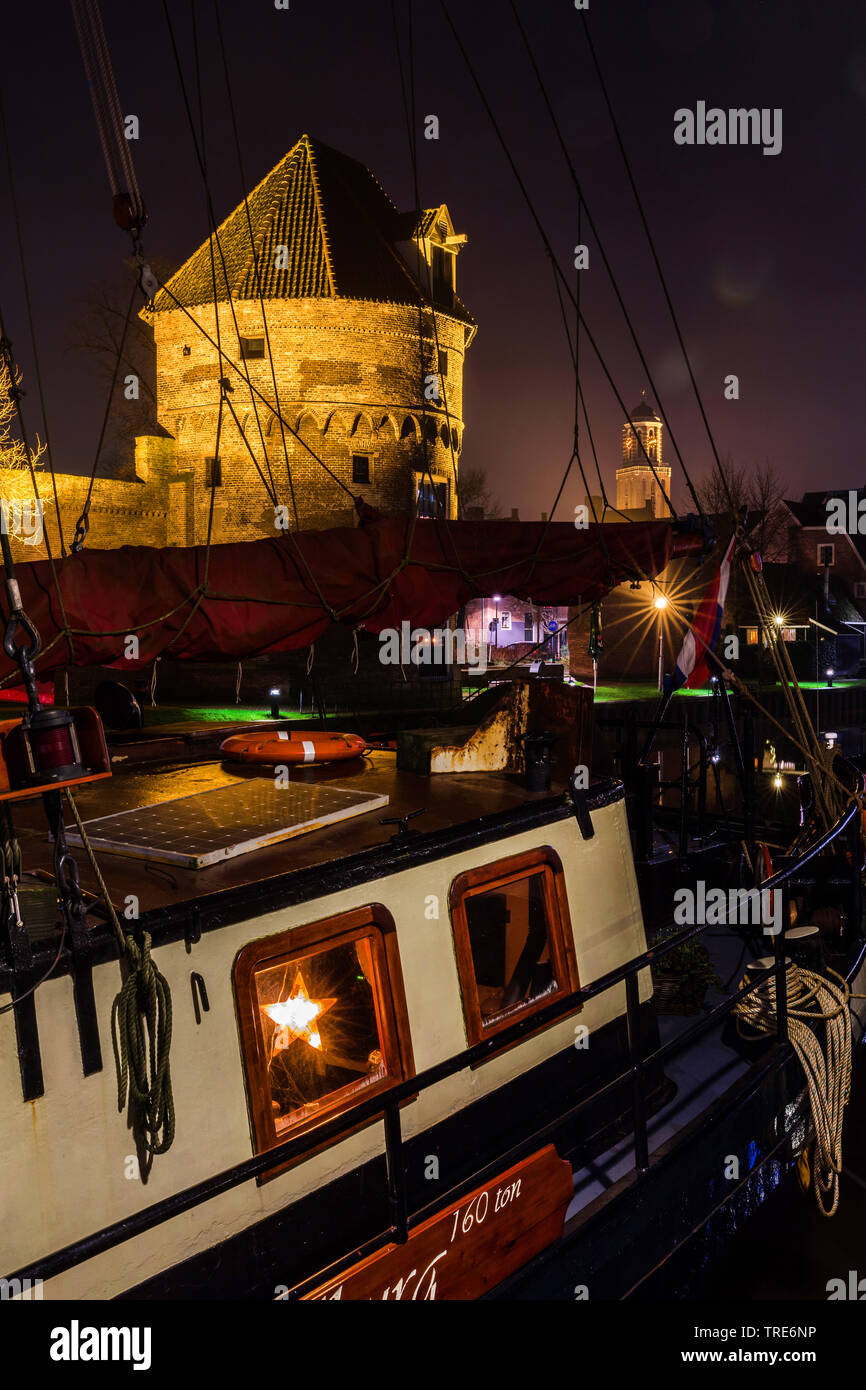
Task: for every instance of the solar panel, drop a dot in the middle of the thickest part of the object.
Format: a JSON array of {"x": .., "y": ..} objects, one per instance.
[{"x": 208, "y": 827}]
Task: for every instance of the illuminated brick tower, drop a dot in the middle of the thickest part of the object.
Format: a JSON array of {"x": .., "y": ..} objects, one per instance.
[
  {"x": 358, "y": 303},
  {"x": 636, "y": 487}
]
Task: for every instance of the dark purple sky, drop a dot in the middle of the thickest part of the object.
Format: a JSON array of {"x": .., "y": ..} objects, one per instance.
[{"x": 764, "y": 255}]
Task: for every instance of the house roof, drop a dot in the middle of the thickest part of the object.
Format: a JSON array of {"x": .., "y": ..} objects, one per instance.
[
  {"x": 339, "y": 229},
  {"x": 811, "y": 512},
  {"x": 799, "y": 598}
]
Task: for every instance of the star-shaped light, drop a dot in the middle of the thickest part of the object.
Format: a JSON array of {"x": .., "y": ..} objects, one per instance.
[{"x": 297, "y": 1016}]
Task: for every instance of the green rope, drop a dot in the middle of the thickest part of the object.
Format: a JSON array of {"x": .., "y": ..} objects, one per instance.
[
  {"x": 141, "y": 1038},
  {"x": 141, "y": 1018}
]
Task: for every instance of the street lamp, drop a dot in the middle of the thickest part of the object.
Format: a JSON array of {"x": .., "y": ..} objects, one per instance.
[
  {"x": 830, "y": 675},
  {"x": 660, "y": 603},
  {"x": 497, "y": 599}
]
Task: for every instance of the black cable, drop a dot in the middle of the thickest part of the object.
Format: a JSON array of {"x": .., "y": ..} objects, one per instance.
[
  {"x": 25, "y": 281},
  {"x": 81, "y": 525},
  {"x": 259, "y": 291},
  {"x": 656, "y": 260},
  {"x": 547, "y": 243},
  {"x": 576, "y": 181}
]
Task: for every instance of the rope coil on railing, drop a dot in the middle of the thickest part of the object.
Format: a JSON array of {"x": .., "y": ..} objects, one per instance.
[{"x": 812, "y": 1000}]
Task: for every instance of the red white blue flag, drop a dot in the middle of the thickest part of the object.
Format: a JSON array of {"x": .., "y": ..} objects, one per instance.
[{"x": 692, "y": 669}]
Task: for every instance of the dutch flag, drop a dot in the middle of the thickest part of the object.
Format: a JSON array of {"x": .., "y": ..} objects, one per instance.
[{"x": 692, "y": 669}]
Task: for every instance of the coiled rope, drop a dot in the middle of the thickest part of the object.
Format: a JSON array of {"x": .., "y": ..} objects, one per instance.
[
  {"x": 812, "y": 1000},
  {"x": 141, "y": 1021}
]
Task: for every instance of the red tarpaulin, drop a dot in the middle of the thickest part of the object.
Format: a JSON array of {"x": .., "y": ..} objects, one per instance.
[{"x": 274, "y": 595}]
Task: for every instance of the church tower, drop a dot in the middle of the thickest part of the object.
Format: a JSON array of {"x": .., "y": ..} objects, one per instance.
[
  {"x": 337, "y": 312},
  {"x": 637, "y": 489}
]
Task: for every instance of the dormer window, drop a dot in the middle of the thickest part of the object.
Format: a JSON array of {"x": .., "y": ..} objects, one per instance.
[{"x": 442, "y": 273}]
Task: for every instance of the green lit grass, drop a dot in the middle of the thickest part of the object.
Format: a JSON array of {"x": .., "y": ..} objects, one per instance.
[{"x": 234, "y": 714}]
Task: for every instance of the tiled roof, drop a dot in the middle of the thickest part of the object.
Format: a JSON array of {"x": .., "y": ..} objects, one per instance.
[{"x": 339, "y": 228}]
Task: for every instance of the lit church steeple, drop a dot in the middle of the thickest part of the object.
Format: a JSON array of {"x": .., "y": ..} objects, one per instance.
[{"x": 639, "y": 485}]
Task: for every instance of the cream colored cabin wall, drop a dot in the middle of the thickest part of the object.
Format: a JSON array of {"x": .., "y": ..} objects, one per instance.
[{"x": 64, "y": 1156}]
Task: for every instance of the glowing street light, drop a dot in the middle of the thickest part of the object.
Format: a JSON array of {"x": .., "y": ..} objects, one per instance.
[{"x": 660, "y": 603}]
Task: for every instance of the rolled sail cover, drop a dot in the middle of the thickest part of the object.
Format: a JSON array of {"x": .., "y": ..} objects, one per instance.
[{"x": 253, "y": 598}]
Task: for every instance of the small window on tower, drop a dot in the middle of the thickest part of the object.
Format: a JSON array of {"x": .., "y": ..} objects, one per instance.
[
  {"x": 252, "y": 348},
  {"x": 443, "y": 363},
  {"x": 826, "y": 555},
  {"x": 213, "y": 472},
  {"x": 360, "y": 468}
]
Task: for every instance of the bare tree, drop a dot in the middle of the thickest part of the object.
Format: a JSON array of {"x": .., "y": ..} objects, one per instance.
[
  {"x": 13, "y": 454},
  {"x": 761, "y": 492},
  {"x": 475, "y": 492},
  {"x": 99, "y": 334}
]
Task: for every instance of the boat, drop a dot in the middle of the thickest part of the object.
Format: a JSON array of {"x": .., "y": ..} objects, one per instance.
[{"x": 393, "y": 1029}]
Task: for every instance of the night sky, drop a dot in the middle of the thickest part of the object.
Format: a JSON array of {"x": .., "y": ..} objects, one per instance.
[{"x": 764, "y": 255}]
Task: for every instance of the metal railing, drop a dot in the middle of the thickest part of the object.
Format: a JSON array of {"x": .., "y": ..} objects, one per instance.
[{"x": 387, "y": 1107}]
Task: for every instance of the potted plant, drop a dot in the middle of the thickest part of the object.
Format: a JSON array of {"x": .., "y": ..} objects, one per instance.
[{"x": 682, "y": 977}]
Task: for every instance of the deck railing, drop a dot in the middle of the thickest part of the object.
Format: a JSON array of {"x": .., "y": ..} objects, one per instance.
[{"x": 388, "y": 1106}]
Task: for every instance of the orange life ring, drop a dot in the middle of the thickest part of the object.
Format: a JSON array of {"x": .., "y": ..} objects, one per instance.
[{"x": 287, "y": 747}]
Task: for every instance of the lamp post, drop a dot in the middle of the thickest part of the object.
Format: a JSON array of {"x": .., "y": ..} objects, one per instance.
[
  {"x": 660, "y": 603},
  {"x": 497, "y": 599}
]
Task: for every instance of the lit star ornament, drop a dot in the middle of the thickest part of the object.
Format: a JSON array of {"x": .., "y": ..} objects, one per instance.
[{"x": 297, "y": 1016}]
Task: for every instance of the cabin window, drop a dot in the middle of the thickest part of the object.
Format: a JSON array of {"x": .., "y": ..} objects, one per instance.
[
  {"x": 252, "y": 348},
  {"x": 751, "y": 637},
  {"x": 513, "y": 939},
  {"x": 323, "y": 1021},
  {"x": 360, "y": 468}
]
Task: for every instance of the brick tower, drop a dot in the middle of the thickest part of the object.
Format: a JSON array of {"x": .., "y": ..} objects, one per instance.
[{"x": 358, "y": 305}]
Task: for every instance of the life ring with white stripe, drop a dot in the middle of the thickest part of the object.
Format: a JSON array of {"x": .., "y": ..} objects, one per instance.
[{"x": 283, "y": 746}]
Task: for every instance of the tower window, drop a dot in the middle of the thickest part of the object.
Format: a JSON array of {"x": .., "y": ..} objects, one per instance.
[
  {"x": 826, "y": 555},
  {"x": 360, "y": 468},
  {"x": 213, "y": 472},
  {"x": 442, "y": 267},
  {"x": 252, "y": 348},
  {"x": 443, "y": 362},
  {"x": 431, "y": 498}
]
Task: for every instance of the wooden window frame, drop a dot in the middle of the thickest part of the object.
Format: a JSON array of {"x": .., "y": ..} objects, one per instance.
[
  {"x": 372, "y": 922},
  {"x": 500, "y": 874}
]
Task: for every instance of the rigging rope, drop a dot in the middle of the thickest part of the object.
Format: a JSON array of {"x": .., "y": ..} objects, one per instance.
[
  {"x": 657, "y": 262},
  {"x": 547, "y": 242},
  {"x": 614, "y": 284},
  {"x": 813, "y": 1001},
  {"x": 116, "y": 149},
  {"x": 141, "y": 1025}
]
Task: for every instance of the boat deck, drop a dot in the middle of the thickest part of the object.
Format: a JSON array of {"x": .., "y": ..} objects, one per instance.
[{"x": 447, "y": 800}]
